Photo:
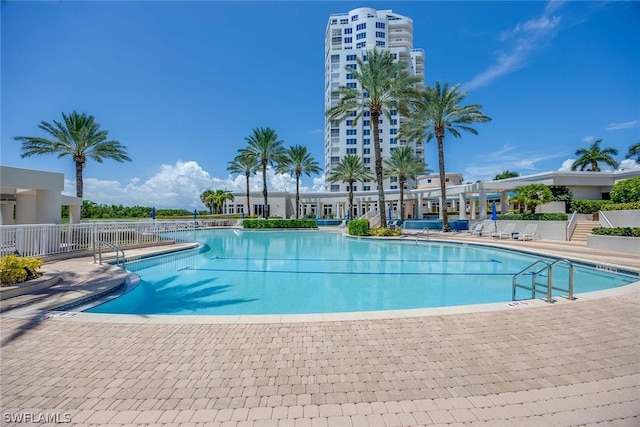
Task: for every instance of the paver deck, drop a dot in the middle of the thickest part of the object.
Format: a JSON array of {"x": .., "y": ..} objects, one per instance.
[{"x": 574, "y": 363}]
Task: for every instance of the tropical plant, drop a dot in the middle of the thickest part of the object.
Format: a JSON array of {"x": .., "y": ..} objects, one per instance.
[
  {"x": 267, "y": 149},
  {"x": 634, "y": 151},
  {"x": 534, "y": 194},
  {"x": 219, "y": 197},
  {"x": 78, "y": 136},
  {"x": 207, "y": 198},
  {"x": 506, "y": 174},
  {"x": 626, "y": 191},
  {"x": 589, "y": 157},
  {"x": 15, "y": 269},
  {"x": 561, "y": 193},
  {"x": 385, "y": 85},
  {"x": 349, "y": 170},
  {"x": 404, "y": 164},
  {"x": 297, "y": 161},
  {"x": 246, "y": 164},
  {"x": 436, "y": 112}
]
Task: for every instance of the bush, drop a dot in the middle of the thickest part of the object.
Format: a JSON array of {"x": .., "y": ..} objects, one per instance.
[
  {"x": 621, "y": 206},
  {"x": 358, "y": 227},
  {"x": 588, "y": 206},
  {"x": 385, "y": 232},
  {"x": 279, "y": 223},
  {"x": 534, "y": 217},
  {"x": 626, "y": 191},
  {"x": 619, "y": 231},
  {"x": 15, "y": 269}
]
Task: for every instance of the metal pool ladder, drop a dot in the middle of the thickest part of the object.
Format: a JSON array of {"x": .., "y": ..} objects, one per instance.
[
  {"x": 548, "y": 287},
  {"x": 116, "y": 249}
]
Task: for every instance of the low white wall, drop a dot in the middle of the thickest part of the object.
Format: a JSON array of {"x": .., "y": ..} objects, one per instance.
[
  {"x": 630, "y": 218},
  {"x": 547, "y": 230},
  {"x": 551, "y": 207},
  {"x": 630, "y": 245}
]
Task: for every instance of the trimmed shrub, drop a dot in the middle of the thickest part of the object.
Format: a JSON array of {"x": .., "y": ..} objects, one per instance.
[
  {"x": 626, "y": 191},
  {"x": 15, "y": 269},
  {"x": 358, "y": 227},
  {"x": 385, "y": 232},
  {"x": 621, "y": 206},
  {"x": 279, "y": 223},
  {"x": 534, "y": 217},
  {"x": 588, "y": 206},
  {"x": 619, "y": 231}
]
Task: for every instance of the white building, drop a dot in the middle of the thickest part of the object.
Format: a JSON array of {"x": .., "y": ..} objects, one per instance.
[{"x": 348, "y": 36}]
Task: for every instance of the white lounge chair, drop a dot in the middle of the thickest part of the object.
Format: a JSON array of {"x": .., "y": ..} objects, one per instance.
[
  {"x": 530, "y": 232},
  {"x": 477, "y": 229},
  {"x": 508, "y": 229}
]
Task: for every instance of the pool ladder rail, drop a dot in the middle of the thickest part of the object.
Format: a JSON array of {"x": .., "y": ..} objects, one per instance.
[
  {"x": 548, "y": 288},
  {"x": 98, "y": 247}
]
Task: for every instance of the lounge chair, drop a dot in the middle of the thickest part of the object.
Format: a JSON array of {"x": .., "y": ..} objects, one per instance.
[
  {"x": 396, "y": 223},
  {"x": 477, "y": 229},
  {"x": 530, "y": 232},
  {"x": 508, "y": 230}
]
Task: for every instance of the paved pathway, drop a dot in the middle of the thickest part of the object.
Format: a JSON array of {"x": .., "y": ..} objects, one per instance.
[{"x": 565, "y": 364}]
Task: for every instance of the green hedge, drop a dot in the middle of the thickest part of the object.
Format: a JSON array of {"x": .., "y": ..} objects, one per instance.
[
  {"x": 385, "y": 232},
  {"x": 534, "y": 217},
  {"x": 619, "y": 231},
  {"x": 15, "y": 269},
  {"x": 279, "y": 223},
  {"x": 358, "y": 227},
  {"x": 593, "y": 206}
]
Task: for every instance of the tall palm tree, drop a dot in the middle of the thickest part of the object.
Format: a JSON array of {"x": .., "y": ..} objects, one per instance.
[
  {"x": 297, "y": 161},
  {"x": 264, "y": 145},
  {"x": 247, "y": 165},
  {"x": 436, "y": 112},
  {"x": 349, "y": 170},
  {"x": 404, "y": 164},
  {"x": 589, "y": 157},
  {"x": 634, "y": 150},
  {"x": 78, "y": 136},
  {"x": 384, "y": 85},
  {"x": 207, "y": 198},
  {"x": 219, "y": 197}
]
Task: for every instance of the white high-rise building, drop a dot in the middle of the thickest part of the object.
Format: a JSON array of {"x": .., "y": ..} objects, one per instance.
[{"x": 349, "y": 36}]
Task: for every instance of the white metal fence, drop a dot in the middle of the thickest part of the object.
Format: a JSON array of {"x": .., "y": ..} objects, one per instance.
[{"x": 50, "y": 239}]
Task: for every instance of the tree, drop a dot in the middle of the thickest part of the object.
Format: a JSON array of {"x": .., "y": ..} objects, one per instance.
[
  {"x": 297, "y": 161},
  {"x": 246, "y": 164},
  {"x": 634, "y": 151},
  {"x": 506, "y": 174},
  {"x": 436, "y": 112},
  {"x": 207, "y": 198},
  {"x": 533, "y": 195},
  {"x": 219, "y": 197},
  {"x": 78, "y": 136},
  {"x": 385, "y": 85},
  {"x": 349, "y": 170},
  {"x": 267, "y": 149},
  {"x": 626, "y": 191},
  {"x": 404, "y": 164},
  {"x": 589, "y": 157}
]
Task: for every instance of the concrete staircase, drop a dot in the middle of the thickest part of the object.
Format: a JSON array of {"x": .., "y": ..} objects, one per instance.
[{"x": 582, "y": 229}]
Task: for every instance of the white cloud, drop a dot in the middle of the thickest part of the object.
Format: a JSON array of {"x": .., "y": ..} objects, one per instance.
[
  {"x": 566, "y": 165},
  {"x": 179, "y": 186},
  {"x": 589, "y": 139},
  {"x": 624, "y": 125},
  {"x": 522, "y": 41},
  {"x": 628, "y": 164}
]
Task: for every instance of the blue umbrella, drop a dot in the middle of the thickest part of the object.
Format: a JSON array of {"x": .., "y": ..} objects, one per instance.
[
  {"x": 153, "y": 212},
  {"x": 195, "y": 214},
  {"x": 494, "y": 215}
]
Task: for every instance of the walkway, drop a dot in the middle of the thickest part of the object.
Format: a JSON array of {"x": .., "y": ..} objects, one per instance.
[{"x": 572, "y": 363}]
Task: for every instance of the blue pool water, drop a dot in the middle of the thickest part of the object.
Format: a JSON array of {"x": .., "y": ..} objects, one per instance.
[{"x": 267, "y": 272}]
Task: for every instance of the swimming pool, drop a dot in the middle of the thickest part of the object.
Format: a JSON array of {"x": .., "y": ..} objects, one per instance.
[{"x": 271, "y": 272}]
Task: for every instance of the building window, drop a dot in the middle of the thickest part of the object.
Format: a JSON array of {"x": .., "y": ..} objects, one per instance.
[
  {"x": 336, "y": 40},
  {"x": 353, "y": 66},
  {"x": 365, "y": 94},
  {"x": 360, "y": 45},
  {"x": 446, "y": 180},
  {"x": 380, "y": 131},
  {"x": 367, "y": 113},
  {"x": 393, "y": 187},
  {"x": 392, "y": 149},
  {"x": 367, "y": 188},
  {"x": 366, "y": 141},
  {"x": 344, "y": 21},
  {"x": 335, "y": 160},
  {"x": 429, "y": 181},
  {"x": 361, "y": 26},
  {"x": 360, "y": 36},
  {"x": 380, "y": 25},
  {"x": 350, "y": 76},
  {"x": 380, "y": 44},
  {"x": 335, "y": 187},
  {"x": 366, "y": 131},
  {"x": 393, "y": 179},
  {"x": 392, "y": 141},
  {"x": 366, "y": 123},
  {"x": 335, "y": 59},
  {"x": 366, "y": 151},
  {"x": 354, "y": 188},
  {"x": 354, "y": 18},
  {"x": 351, "y": 151},
  {"x": 348, "y": 30},
  {"x": 349, "y": 122},
  {"x": 352, "y": 131},
  {"x": 380, "y": 34},
  {"x": 351, "y": 141},
  {"x": 351, "y": 57},
  {"x": 352, "y": 85},
  {"x": 393, "y": 131},
  {"x": 394, "y": 122},
  {"x": 366, "y": 160},
  {"x": 393, "y": 112},
  {"x": 348, "y": 39},
  {"x": 335, "y": 132}
]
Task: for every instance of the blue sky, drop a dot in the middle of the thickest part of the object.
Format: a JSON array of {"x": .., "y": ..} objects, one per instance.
[{"x": 182, "y": 84}]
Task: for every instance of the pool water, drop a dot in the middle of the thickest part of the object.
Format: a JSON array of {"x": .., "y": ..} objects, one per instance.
[{"x": 270, "y": 272}]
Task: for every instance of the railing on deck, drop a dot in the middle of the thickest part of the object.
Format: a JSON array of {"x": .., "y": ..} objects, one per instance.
[
  {"x": 604, "y": 221},
  {"x": 572, "y": 225},
  {"x": 50, "y": 239}
]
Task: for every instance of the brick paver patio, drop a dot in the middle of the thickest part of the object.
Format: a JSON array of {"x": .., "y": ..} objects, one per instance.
[{"x": 565, "y": 364}]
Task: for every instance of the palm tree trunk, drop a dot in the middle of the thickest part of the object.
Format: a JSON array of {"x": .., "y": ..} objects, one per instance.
[
  {"x": 375, "y": 117},
  {"x": 264, "y": 189},
  {"x": 401, "y": 183},
  {"x": 350, "y": 199},
  {"x": 443, "y": 188},
  {"x": 297, "y": 195},
  {"x": 79, "y": 183},
  {"x": 248, "y": 201}
]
